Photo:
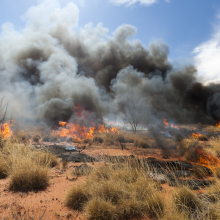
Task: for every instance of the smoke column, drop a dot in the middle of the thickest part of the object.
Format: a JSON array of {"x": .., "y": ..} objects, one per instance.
[{"x": 52, "y": 65}]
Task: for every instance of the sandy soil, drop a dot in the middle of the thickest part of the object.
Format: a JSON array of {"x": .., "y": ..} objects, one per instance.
[{"x": 49, "y": 204}]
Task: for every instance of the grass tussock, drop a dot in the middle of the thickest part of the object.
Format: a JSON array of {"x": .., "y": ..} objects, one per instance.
[
  {"x": 3, "y": 167},
  {"x": 29, "y": 176},
  {"x": 120, "y": 193},
  {"x": 185, "y": 200},
  {"x": 26, "y": 166}
]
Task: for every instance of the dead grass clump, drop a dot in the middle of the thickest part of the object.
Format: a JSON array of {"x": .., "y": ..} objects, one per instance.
[
  {"x": 141, "y": 144},
  {"x": 3, "y": 167},
  {"x": 100, "y": 209},
  {"x": 36, "y": 138},
  {"x": 109, "y": 140},
  {"x": 98, "y": 139},
  {"x": 185, "y": 200},
  {"x": 77, "y": 197},
  {"x": 27, "y": 176},
  {"x": 201, "y": 172},
  {"x": 81, "y": 170},
  {"x": 120, "y": 193},
  {"x": 27, "y": 167},
  {"x": 155, "y": 205},
  {"x": 45, "y": 159},
  {"x": 88, "y": 141},
  {"x": 21, "y": 136}
]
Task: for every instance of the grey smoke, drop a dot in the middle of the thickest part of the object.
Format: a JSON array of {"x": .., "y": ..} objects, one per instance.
[{"x": 52, "y": 65}]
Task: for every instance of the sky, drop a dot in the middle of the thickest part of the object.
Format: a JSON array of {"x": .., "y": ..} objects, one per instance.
[{"x": 191, "y": 28}]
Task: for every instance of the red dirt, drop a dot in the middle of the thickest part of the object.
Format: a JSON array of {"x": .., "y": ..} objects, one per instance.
[{"x": 49, "y": 204}]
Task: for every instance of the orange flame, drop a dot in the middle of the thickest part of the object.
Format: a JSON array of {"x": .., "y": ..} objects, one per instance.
[
  {"x": 196, "y": 135},
  {"x": 5, "y": 130},
  {"x": 218, "y": 124},
  {"x": 168, "y": 124},
  {"x": 165, "y": 122},
  {"x": 78, "y": 132},
  {"x": 207, "y": 160}
]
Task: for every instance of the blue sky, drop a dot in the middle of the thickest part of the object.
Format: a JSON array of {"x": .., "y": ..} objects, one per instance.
[{"x": 183, "y": 24}]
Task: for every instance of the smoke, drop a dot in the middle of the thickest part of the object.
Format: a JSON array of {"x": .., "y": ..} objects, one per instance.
[{"x": 52, "y": 65}]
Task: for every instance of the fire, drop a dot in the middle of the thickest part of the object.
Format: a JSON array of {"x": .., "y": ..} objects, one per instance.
[
  {"x": 196, "y": 135},
  {"x": 207, "y": 160},
  {"x": 5, "y": 130},
  {"x": 78, "y": 132},
  {"x": 165, "y": 122},
  {"x": 218, "y": 124},
  {"x": 168, "y": 124}
]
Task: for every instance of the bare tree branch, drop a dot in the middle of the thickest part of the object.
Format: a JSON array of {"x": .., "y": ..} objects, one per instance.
[{"x": 132, "y": 112}]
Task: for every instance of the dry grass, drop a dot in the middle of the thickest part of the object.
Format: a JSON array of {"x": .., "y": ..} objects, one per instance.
[
  {"x": 28, "y": 176},
  {"x": 36, "y": 138},
  {"x": 3, "y": 167},
  {"x": 117, "y": 193},
  {"x": 185, "y": 200},
  {"x": 26, "y": 166}
]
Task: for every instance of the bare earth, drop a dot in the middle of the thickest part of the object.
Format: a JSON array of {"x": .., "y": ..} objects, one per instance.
[{"x": 49, "y": 204}]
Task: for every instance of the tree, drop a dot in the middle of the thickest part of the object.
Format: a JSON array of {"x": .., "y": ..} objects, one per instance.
[{"x": 132, "y": 111}]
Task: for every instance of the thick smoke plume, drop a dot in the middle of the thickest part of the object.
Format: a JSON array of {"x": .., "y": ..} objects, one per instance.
[{"x": 52, "y": 65}]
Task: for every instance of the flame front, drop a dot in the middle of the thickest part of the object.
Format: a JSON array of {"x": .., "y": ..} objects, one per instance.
[
  {"x": 207, "y": 160},
  {"x": 218, "y": 124},
  {"x": 5, "y": 130},
  {"x": 78, "y": 132}
]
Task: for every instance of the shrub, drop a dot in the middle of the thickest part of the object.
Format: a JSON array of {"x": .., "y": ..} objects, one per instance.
[{"x": 141, "y": 144}]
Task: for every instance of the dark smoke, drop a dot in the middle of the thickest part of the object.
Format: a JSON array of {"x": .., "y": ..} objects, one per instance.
[{"x": 50, "y": 66}]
